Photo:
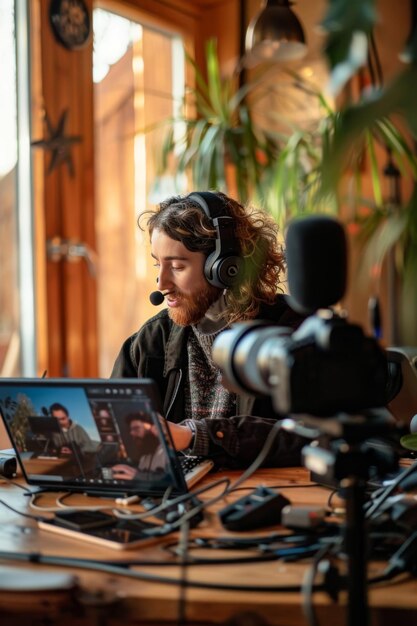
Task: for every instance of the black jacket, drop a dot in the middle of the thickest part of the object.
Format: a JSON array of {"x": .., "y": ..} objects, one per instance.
[{"x": 158, "y": 351}]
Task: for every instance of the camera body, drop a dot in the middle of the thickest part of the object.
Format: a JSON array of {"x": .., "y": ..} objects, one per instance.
[{"x": 324, "y": 367}]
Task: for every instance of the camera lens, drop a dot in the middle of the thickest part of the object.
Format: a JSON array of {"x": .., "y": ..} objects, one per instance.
[{"x": 243, "y": 354}]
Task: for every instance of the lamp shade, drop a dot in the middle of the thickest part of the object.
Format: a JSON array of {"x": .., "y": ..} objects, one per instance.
[{"x": 275, "y": 33}]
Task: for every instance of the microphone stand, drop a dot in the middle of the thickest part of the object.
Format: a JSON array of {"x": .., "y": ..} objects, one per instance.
[
  {"x": 349, "y": 467},
  {"x": 355, "y": 545}
]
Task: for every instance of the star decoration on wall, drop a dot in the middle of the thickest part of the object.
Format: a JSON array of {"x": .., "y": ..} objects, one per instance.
[{"x": 58, "y": 143}]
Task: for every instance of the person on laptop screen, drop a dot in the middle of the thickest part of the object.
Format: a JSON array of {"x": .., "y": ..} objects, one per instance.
[
  {"x": 148, "y": 455},
  {"x": 72, "y": 438},
  {"x": 189, "y": 235}
]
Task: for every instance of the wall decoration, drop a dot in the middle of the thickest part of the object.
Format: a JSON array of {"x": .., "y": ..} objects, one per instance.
[
  {"x": 70, "y": 22},
  {"x": 58, "y": 143}
]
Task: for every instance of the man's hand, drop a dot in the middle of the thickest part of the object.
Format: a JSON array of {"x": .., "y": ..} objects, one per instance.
[
  {"x": 181, "y": 435},
  {"x": 124, "y": 472}
]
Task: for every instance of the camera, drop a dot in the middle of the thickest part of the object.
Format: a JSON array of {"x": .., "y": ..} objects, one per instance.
[{"x": 327, "y": 365}]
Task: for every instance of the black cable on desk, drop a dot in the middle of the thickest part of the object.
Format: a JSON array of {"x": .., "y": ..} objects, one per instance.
[
  {"x": 308, "y": 582},
  {"x": 402, "y": 560},
  {"x": 36, "y": 557},
  {"x": 283, "y": 486},
  {"x": 117, "y": 569},
  {"x": 378, "y": 502},
  {"x": 11, "y": 481},
  {"x": 37, "y": 518}
]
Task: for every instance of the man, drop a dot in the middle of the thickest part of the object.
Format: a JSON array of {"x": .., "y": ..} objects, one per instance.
[
  {"x": 188, "y": 235},
  {"x": 72, "y": 438},
  {"x": 148, "y": 456}
]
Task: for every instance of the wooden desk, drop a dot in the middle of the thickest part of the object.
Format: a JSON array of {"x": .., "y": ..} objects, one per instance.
[{"x": 102, "y": 599}]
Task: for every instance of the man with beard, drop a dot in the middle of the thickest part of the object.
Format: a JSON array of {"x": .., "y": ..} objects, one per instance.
[
  {"x": 189, "y": 235},
  {"x": 148, "y": 456}
]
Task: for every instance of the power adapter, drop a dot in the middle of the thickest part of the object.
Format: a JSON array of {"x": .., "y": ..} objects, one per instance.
[
  {"x": 260, "y": 508},
  {"x": 306, "y": 517}
]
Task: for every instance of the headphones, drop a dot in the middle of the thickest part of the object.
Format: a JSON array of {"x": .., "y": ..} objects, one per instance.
[{"x": 223, "y": 265}]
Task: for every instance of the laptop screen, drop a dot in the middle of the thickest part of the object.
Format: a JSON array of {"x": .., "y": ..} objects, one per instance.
[{"x": 96, "y": 436}]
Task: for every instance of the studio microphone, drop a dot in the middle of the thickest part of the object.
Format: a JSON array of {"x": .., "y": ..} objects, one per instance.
[
  {"x": 156, "y": 298},
  {"x": 316, "y": 253}
]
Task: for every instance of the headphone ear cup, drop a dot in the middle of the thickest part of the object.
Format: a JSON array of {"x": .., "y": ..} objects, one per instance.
[
  {"x": 222, "y": 272},
  {"x": 223, "y": 265}
]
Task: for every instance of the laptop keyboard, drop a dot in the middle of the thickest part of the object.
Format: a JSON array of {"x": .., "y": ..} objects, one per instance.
[{"x": 194, "y": 468}]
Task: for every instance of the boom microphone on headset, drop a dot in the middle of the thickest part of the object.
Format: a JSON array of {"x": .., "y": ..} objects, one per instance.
[{"x": 156, "y": 298}]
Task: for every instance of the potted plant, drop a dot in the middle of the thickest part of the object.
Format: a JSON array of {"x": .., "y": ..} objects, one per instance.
[
  {"x": 388, "y": 228},
  {"x": 299, "y": 170},
  {"x": 221, "y": 137}
]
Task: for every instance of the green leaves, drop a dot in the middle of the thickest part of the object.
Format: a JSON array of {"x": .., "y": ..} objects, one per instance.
[
  {"x": 222, "y": 134},
  {"x": 388, "y": 231},
  {"x": 305, "y": 168},
  {"x": 348, "y": 24}
]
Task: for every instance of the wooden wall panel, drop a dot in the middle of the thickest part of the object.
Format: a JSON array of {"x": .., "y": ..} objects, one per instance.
[{"x": 68, "y": 202}]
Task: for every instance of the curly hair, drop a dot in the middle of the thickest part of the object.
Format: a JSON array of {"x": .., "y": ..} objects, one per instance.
[{"x": 182, "y": 219}]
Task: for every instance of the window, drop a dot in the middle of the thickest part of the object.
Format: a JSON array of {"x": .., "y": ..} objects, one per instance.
[
  {"x": 138, "y": 73},
  {"x": 17, "y": 331}
]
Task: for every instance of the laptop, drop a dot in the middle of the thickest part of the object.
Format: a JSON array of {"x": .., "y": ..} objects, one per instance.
[{"x": 97, "y": 436}]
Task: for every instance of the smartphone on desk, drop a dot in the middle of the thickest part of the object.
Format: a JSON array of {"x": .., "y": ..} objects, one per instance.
[{"x": 103, "y": 529}]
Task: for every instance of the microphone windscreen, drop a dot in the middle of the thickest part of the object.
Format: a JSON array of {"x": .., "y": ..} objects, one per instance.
[
  {"x": 156, "y": 298},
  {"x": 316, "y": 253}
]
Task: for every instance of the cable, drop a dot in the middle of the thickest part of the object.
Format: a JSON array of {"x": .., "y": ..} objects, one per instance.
[
  {"x": 329, "y": 504},
  {"x": 259, "y": 459},
  {"x": 11, "y": 481},
  {"x": 283, "y": 486},
  {"x": 183, "y": 552},
  {"x": 8, "y": 506},
  {"x": 403, "y": 558},
  {"x": 307, "y": 587},
  {"x": 58, "y": 507},
  {"x": 257, "y": 557},
  {"x": 389, "y": 490},
  {"x": 244, "y": 476},
  {"x": 261, "y": 543},
  {"x": 115, "y": 569},
  {"x": 180, "y": 499},
  {"x": 120, "y": 569}
]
